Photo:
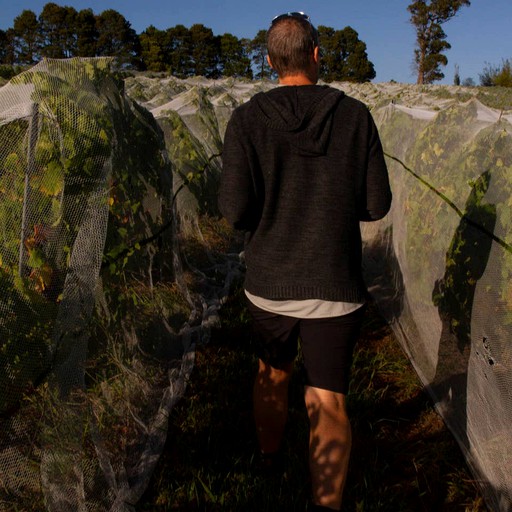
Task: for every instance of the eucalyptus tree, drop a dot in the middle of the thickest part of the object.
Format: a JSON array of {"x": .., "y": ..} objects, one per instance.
[{"x": 428, "y": 16}]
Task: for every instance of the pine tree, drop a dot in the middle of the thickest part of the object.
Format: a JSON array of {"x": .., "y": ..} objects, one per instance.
[
  {"x": 233, "y": 57},
  {"x": 204, "y": 51},
  {"x": 57, "y": 27},
  {"x": 344, "y": 56},
  {"x": 153, "y": 49},
  {"x": 7, "y": 55},
  {"x": 116, "y": 37},
  {"x": 178, "y": 51},
  {"x": 258, "y": 48},
  {"x": 26, "y": 38},
  {"x": 86, "y": 34}
]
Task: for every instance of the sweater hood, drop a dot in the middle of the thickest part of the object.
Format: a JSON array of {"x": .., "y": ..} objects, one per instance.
[{"x": 304, "y": 112}]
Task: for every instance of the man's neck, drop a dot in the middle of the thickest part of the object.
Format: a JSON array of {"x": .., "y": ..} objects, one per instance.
[{"x": 296, "y": 80}]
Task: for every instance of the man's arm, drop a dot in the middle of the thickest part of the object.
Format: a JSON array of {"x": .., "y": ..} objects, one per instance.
[
  {"x": 377, "y": 193},
  {"x": 237, "y": 195}
]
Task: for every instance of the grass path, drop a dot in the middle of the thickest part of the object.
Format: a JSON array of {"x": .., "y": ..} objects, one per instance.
[{"x": 403, "y": 459}]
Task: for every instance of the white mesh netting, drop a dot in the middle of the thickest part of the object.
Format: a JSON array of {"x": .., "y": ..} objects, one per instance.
[
  {"x": 98, "y": 320},
  {"x": 107, "y": 280},
  {"x": 444, "y": 277}
]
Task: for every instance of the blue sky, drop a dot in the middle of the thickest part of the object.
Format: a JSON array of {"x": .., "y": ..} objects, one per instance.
[{"x": 480, "y": 34}]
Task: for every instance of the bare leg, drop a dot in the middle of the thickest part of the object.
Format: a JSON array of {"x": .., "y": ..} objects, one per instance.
[
  {"x": 270, "y": 401},
  {"x": 330, "y": 441}
]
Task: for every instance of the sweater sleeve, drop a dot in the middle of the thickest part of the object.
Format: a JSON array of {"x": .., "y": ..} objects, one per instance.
[
  {"x": 377, "y": 193},
  {"x": 237, "y": 195}
]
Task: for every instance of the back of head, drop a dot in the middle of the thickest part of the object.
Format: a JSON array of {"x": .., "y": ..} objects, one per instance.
[{"x": 290, "y": 43}]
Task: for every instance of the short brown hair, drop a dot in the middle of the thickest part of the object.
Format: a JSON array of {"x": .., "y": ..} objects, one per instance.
[{"x": 290, "y": 44}]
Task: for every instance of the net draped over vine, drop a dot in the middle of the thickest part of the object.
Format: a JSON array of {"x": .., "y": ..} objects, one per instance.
[
  {"x": 107, "y": 279},
  {"x": 444, "y": 278},
  {"x": 98, "y": 319}
]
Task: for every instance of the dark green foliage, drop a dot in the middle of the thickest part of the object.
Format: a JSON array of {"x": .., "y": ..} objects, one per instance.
[
  {"x": 427, "y": 16},
  {"x": 7, "y": 71},
  {"x": 204, "y": 50},
  {"x": 258, "y": 48},
  {"x": 57, "y": 27},
  {"x": 497, "y": 75},
  {"x": 152, "y": 48},
  {"x": 344, "y": 56},
  {"x": 62, "y": 32},
  {"x": 116, "y": 38},
  {"x": 7, "y": 50},
  {"x": 26, "y": 40},
  {"x": 186, "y": 52},
  {"x": 86, "y": 33},
  {"x": 234, "y": 58},
  {"x": 178, "y": 48}
]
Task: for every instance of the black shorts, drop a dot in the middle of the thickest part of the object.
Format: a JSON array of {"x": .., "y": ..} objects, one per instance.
[{"x": 327, "y": 344}]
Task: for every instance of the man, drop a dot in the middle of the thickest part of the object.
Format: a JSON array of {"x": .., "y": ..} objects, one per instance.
[{"x": 302, "y": 165}]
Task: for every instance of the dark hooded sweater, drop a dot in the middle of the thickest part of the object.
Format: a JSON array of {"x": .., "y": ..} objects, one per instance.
[{"x": 302, "y": 165}]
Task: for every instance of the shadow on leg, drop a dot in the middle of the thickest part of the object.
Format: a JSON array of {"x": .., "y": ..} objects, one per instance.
[
  {"x": 330, "y": 442},
  {"x": 270, "y": 403}
]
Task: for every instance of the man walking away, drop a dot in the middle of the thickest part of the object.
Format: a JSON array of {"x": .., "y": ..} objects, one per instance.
[{"x": 302, "y": 166}]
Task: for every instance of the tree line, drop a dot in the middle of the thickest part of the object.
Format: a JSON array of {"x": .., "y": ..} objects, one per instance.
[{"x": 63, "y": 32}]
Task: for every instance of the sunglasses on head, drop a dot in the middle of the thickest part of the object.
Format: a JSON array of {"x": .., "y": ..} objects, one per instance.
[{"x": 299, "y": 15}]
